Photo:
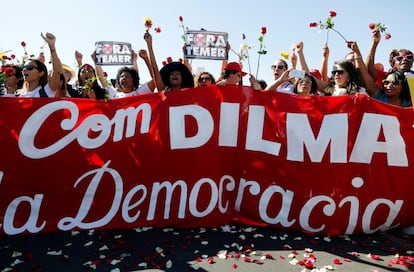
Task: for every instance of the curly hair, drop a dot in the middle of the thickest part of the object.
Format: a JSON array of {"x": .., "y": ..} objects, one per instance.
[{"x": 134, "y": 74}]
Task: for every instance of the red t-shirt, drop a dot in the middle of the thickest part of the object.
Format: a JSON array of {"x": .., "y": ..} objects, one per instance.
[{"x": 380, "y": 77}]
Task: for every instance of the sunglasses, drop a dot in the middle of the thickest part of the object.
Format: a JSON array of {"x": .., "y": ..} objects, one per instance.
[
  {"x": 394, "y": 82},
  {"x": 274, "y": 67},
  {"x": 201, "y": 79},
  {"x": 406, "y": 57},
  {"x": 30, "y": 67},
  {"x": 339, "y": 72}
]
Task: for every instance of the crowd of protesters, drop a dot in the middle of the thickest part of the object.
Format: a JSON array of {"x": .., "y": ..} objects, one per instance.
[{"x": 351, "y": 76}]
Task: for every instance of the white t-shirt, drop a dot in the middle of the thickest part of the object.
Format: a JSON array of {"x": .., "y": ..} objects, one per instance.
[
  {"x": 36, "y": 92},
  {"x": 285, "y": 87},
  {"x": 113, "y": 93},
  {"x": 342, "y": 91}
]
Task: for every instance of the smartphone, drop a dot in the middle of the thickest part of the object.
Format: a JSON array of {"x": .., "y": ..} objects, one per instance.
[{"x": 297, "y": 73}]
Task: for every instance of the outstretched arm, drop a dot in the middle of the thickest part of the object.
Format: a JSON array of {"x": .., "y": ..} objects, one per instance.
[
  {"x": 302, "y": 60},
  {"x": 370, "y": 60},
  {"x": 57, "y": 69},
  {"x": 144, "y": 55},
  {"x": 324, "y": 65},
  {"x": 99, "y": 71},
  {"x": 78, "y": 58},
  {"x": 369, "y": 83},
  {"x": 154, "y": 67}
]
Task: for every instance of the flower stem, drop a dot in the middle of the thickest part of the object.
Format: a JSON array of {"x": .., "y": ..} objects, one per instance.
[
  {"x": 327, "y": 36},
  {"x": 237, "y": 54},
  {"x": 257, "y": 70},
  {"x": 248, "y": 60},
  {"x": 342, "y": 36}
]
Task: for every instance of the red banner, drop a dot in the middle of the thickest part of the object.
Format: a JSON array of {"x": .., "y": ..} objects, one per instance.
[{"x": 205, "y": 157}]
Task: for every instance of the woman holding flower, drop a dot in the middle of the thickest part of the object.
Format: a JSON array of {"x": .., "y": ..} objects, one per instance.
[
  {"x": 14, "y": 78},
  {"x": 87, "y": 85},
  {"x": 172, "y": 76}
]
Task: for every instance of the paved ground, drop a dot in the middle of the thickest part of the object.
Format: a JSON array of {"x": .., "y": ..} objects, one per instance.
[{"x": 228, "y": 248}]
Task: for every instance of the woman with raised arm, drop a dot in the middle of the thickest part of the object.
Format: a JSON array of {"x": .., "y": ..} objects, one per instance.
[
  {"x": 37, "y": 82},
  {"x": 127, "y": 79}
]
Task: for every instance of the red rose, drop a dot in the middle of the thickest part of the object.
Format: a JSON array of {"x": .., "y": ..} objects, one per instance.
[
  {"x": 4, "y": 57},
  {"x": 13, "y": 56},
  {"x": 23, "y": 44},
  {"x": 264, "y": 30},
  {"x": 332, "y": 13},
  {"x": 387, "y": 36},
  {"x": 169, "y": 59},
  {"x": 180, "y": 18},
  {"x": 164, "y": 62},
  {"x": 313, "y": 24},
  {"x": 9, "y": 71},
  {"x": 371, "y": 25},
  {"x": 180, "y": 60}
]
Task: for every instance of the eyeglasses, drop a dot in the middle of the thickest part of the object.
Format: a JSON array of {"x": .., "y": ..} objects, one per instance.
[
  {"x": 86, "y": 72},
  {"x": 394, "y": 82},
  {"x": 274, "y": 67},
  {"x": 339, "y": 72},
  {"x": 406, "y": 57},
  {"x": 30, "y": 67},
  {"x": 201, "y": 79}
]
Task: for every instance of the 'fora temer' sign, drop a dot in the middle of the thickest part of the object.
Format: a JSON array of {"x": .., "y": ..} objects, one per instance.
[
  {"x": 113, "y": 53},
  {"x": 206, "y": 45}
]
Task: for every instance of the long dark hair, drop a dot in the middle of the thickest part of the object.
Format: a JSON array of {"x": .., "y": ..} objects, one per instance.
[
  {"x": 41, "y": 67},
  {"x": 405, "y": 88},
  {"x": 100, "y": 93},
  {"x": 354, "y": 81}
]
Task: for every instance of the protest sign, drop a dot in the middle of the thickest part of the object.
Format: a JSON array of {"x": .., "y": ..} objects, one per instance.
[
  {"x": 206, "y": 45},
  {"x": 113, "y": 53}
]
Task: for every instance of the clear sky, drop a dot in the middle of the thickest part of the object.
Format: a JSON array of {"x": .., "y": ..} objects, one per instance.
[{"x": 78, "y": 24}]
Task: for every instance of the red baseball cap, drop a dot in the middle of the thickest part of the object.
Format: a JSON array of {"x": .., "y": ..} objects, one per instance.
[
  {"x": 234, "y": 66},
  {"x": 316, "y": 73}
]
